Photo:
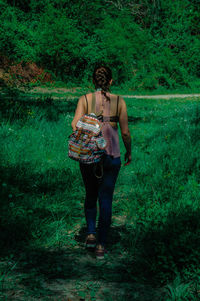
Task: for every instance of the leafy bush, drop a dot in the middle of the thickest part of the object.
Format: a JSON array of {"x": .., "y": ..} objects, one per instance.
[{"x": 149, "y": 45}]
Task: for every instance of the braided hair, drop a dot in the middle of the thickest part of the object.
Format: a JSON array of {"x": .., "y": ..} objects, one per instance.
[{"x": 102, "y": 76}]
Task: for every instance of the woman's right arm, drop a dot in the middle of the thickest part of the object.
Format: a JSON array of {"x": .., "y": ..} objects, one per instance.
[
  {"x": 123, "y": 122},
  {"x": 80, "y": 111}
]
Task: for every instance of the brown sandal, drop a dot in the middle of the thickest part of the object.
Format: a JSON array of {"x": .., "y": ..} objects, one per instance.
[
  {"x": 100, "y": 251},
  {"x": 90, "y": 242}
]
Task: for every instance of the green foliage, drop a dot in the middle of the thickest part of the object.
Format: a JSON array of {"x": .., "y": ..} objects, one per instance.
[
  {"x": 149, "y": 44},
  {"x": 177, "y": 290},
  {"x": 17, "y": 40},
  {"x": 55, "y": 46},
  {"x": 119, "y": 52}
]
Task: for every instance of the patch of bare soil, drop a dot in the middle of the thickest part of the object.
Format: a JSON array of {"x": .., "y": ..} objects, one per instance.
[
  {"x": 44, "y": 90},
  {"x": 162, "y": 96}
]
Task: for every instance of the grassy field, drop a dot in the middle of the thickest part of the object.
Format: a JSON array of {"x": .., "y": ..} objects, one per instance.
[{"x": 154, "y": 247}]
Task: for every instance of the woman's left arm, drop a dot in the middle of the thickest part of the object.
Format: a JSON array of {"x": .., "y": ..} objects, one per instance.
[{"x": 80, "y": 111}]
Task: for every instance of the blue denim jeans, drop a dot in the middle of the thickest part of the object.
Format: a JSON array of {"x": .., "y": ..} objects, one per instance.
[{"x": 101, "y": 189}]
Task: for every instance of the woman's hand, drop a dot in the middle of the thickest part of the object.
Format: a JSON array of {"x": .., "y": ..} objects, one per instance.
[
  {"x": 126, "y": 137},
  {"x": 127, "y": 158}
]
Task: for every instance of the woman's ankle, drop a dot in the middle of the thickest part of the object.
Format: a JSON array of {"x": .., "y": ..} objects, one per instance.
[
  {"x": 100, "y": 246},
  {"x": 91, "y": 235}
]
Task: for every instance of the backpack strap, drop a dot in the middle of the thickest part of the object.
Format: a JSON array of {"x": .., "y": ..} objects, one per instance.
[
  {"x": 93, "y": 110},
  {"x": 114, "y": 119},
  {"x": 117, "y": 106},
  {"x": 86, "y": 103}
]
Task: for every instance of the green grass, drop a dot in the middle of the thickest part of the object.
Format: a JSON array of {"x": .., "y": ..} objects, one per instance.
[{"x": 155, "y": 236}]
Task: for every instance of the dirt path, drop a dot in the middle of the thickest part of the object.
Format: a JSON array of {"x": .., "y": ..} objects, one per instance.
[
  {"x": 44, "y": 90},
  {"x": 74, "y": 91},
  {"x": 162, "y": 96},
  {"x": 70, "y": 273}
]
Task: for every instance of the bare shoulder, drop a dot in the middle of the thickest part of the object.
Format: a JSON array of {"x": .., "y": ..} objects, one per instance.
[
  {"x": 121, "y": 100},
  {"x": 88, "y": 95},
  {"x": 116, "y": 95},
  {"x": 81, "y": 97}
]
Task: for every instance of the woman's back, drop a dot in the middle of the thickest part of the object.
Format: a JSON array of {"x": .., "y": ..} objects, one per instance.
[{"x": 107, "y": 106}]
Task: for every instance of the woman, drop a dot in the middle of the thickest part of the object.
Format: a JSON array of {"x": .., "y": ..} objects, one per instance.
[{"x": 113, "y": 110}]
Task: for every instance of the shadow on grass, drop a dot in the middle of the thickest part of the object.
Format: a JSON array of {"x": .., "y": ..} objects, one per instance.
[
  {"x": 162, "y": 250},
  {"x": 151, "y": 253},
  {"x": 24, "y": 179},
  {"x": 51, "y": 272},
  {"x": 22, "y": 187},
  {"x": 138, "y": 260}
]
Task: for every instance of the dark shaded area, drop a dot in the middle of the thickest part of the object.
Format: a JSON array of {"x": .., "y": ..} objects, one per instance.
[
  {"x": 132, "y": 119},
  {"x": 41, "y": 266},
  {"x": 25, "y": 179},
  {"x": 21, "y": 186},
  {"x": 166, "y": 248},
  {"x": 162, "y": 249}
]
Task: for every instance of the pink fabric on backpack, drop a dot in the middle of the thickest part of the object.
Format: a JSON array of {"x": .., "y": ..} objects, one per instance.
[{"x": 110, "y": 133}]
